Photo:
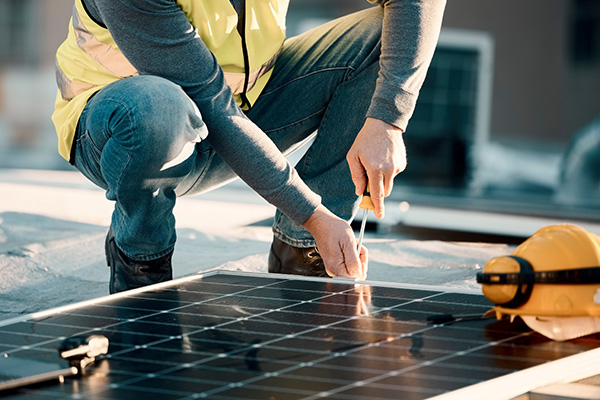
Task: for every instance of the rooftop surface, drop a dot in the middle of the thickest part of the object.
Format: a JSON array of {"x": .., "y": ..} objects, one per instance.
[{"x": 53, "y": 224}]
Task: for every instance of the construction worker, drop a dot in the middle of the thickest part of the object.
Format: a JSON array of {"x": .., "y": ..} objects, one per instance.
[{"x": 163, "y": 98}]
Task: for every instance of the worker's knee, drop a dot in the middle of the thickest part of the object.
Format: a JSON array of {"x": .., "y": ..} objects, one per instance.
[
  {"x": 158, "y": 107},
  {"x": 153, "y": 118}
]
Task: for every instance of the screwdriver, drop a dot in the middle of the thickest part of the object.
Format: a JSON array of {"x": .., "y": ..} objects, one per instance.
[{"x": 366, "y": 204}]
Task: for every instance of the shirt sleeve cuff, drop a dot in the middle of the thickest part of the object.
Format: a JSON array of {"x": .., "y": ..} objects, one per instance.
[{"x": 392, "y": 105}]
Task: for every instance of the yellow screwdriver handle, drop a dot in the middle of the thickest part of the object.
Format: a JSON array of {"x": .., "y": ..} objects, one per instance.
[{"x": 366, "y": 203}]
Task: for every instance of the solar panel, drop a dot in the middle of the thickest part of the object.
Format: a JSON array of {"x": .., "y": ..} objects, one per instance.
[
  {"x": 229, "y": 335},
  {"x": 451, "y": 118}
]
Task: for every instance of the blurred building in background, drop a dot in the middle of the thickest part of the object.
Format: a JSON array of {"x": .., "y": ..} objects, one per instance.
[
  {"x": 30, "y": 32},
  {"x": 512, "y": 87}
]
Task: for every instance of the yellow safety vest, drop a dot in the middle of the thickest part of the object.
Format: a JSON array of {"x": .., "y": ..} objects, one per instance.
[{"x": 89, "y": 58}]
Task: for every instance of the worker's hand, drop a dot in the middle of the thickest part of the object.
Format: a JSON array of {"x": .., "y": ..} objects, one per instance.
[
  {"x": 378, "y": 153},
  {"x": 337, "y": 245}
]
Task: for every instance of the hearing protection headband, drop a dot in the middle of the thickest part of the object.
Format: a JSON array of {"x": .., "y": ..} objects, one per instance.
[{"x": 526, "y": 277}]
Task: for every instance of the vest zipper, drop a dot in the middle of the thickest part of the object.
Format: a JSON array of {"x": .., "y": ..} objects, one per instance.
[{"x": 241, "y": 27}]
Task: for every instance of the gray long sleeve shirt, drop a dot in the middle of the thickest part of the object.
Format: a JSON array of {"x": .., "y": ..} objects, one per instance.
[{"x": 154, "y": 36}]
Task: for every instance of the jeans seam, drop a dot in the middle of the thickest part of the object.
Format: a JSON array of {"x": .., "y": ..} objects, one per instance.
[
  {"x": 201, "y": 175},
  {"x": 91, "y": 163},
  {"x": 118, "y": 184},
  {"x": 86, "y": 135},
  {"x": 349, "y": 72},
  {"x": 127, "y": 111},
  {"x": 265, "y": 93},
  {"x": 296, "y": 122}
]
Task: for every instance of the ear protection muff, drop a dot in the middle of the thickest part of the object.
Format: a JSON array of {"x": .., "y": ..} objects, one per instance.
[
  {"x": 554, "y": 275},
  {"x": 508, "y": 281},
  {"x": 515, "y": 274}
]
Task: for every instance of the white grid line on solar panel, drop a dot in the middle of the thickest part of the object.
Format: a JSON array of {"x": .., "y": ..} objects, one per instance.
[
  {"x": 388, "y": 345},
  {"x": 222, "y": 355},
  {"x": 160, "y": 338},
  {"x": 375, "y": 387},
  {"x": 459, "y": 354},
  {"x": 397, "y": 390},
  {"x": 419, "y": 376},
  {"x": 340, "y": 397},
  {"x": 163, "y": 311},
  {"x": 249, "y": 316},
  {"x": 447, "y": 368},
  {"x": 252, "y": 288},
  {"x": 247, "y": 330},
  {"x": 406, "y": 369},
  {"x": 171, "y": 337},
  {"x": 160, "y": 286},
  {"x": 159, "y": 341},
  {"x": 248, "y": 288},
  {"x": 283, "y": 373},
  {"x": 338, "y": 353},
  {"x": 253, "y": 316},
  {"x": 119, "y": 322},
  {"x": 314, "y": 328},
  {"x": 381, "y": 386},
  {"x": 295, "y": 366},
  {"x": 343, "y": 397},
  {"x": 296, "y": 309},
  {"x": 37, "y": 345},
  {"x": 307, "y": 340},
  {"x": 272, "y": 347}
]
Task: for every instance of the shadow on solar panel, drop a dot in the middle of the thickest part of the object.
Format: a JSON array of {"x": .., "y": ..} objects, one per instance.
[{"x": 250, "y": 336}]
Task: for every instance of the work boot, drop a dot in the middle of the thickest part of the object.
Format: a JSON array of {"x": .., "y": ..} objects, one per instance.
[
  {"x": 287, "y": 259},
  {"x": 126, "y": 273}
]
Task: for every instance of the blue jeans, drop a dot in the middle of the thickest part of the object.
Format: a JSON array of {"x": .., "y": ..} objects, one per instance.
[{"x": 323, "y": 81}]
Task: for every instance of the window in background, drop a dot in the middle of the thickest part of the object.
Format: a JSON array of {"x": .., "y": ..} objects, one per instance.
[
  {"x": 18, "y": 32},
  {"x": 451, "y": 122}
]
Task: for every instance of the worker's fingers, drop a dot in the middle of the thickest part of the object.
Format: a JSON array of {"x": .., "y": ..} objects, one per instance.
[
  {"x": 364, "y": 262},
  {"x": 336, "y": 243},
  {"x": 378, "y": 153},
  {"x": 377, "y": 189},
  {"x": 388, "y": 182},
  {"x": 352, "y": 260},
  {"x": 358, "y": 174},
  {"x": 342, "y": 259}
]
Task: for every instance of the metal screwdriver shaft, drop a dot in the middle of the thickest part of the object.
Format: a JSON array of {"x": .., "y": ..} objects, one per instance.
[
  {"x": 362, "y": 228},
  {"x": 366, "y": 204}
]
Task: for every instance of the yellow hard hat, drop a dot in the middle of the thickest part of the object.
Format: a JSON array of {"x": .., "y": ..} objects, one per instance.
[{"x": 555, "y": 272}]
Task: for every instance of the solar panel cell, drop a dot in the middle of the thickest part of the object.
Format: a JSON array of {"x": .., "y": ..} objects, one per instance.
[{"x": 232, "y": 336}]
